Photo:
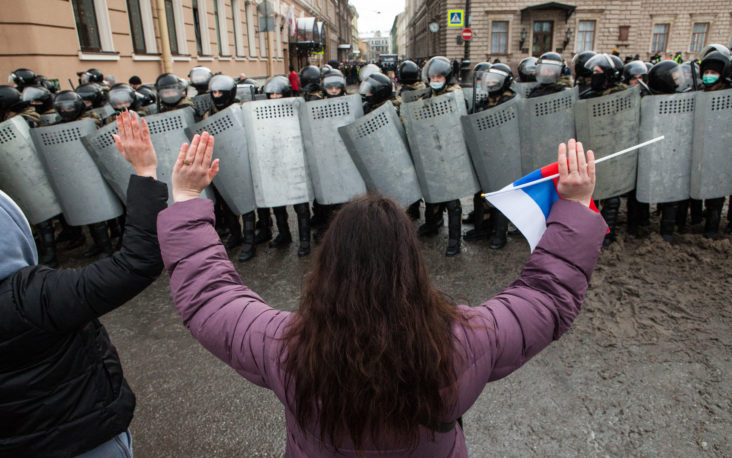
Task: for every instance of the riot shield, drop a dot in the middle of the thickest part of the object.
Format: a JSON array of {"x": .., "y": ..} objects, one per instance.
[
  {"x": 664, "y": 167},
  {"x": 524, "y": 88},
  {"x": 378, "y": 146},
  {"x": 234, "y": 180},
  {"x": 202, "y": 103},
  {"x": 115, "y": 168},
  {"x": 104, "y": 111},
  {"x": 607, "y": 125},
  {"x": 436, "y": 140},
  {"x": 711, "y": 161},
  {"x": 22, "y": 175},
  {"x": 167, "y": 133},
  {"x": 276, "y": 152},
  {"x": 492, "y": 137},
  {"x": 81, "y": 190},
  {"x": 333, "y": 174},
  {"x": 151, "y": 109},
  {"x": 545, "y": 122},
  {"x": 411, "y": 96},
  {"x": 245, "y": 92}
]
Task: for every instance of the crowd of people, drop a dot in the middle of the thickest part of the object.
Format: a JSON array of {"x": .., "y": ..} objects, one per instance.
[{"x": 62, "y": 391}]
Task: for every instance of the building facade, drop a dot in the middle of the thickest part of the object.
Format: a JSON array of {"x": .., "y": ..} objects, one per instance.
[
  {"x": 355, "y": 50},
  {"x": 399, "y": 36},
  {"x": 377, "y": 45},
  {"x": 58, "y": 38},
  {"x": 512, "y": 30}
]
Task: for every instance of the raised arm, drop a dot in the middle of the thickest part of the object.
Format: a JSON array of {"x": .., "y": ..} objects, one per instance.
[
  {"x": 541, "y": 305},
  {"x": 61, "y": 300},
  {"x": 230, "y": 320}
]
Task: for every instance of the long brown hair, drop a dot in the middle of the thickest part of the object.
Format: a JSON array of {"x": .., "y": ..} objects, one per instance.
[{"x": 371, "y": 345}]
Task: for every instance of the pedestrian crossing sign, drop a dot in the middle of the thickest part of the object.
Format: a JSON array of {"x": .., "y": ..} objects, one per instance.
[{"x": 455, "y": 18}]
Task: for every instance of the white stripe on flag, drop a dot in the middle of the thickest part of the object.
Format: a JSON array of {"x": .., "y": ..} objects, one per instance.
[{"x": 523, "y": 211}]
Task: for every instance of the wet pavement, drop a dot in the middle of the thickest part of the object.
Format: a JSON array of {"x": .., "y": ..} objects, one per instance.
[{"x": 644, "y": 372}]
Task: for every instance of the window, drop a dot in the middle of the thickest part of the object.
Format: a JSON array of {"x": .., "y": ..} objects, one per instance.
[
  {"x": 236, "y": 19},
  {"x": 699, "y": 36},
  {"x": 660, "y": 35},
  {"x": 136, "y": 31},
  {"x": 197, "y": 26},
  {"x": 250, "y": 30},
  {"x": 499, "y": 37},
  {"x": 624, "y": 33},
  {"x": 86, "y": 25},
  {"x": 585, "y": 36},
  {"x": 170, "y": 19},
  {"x": 543, "y": 37}
]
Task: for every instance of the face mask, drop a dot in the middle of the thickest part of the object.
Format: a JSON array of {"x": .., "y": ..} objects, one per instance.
[
  {"x": 597, "y": 82},
  {"x": 710, "y": 79},
  {"x": 437, "y": 86}
]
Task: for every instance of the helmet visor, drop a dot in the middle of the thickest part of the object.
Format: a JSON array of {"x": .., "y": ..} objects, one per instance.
[
  {"x": 32, "y": 94},
  {"x": 221, "y": 83},
  {"x": 122, "y": 97},
  {"x": 493, "y": 80},
  {"x": 170, "y": 95},
  {"x": 548, "y": 72}
]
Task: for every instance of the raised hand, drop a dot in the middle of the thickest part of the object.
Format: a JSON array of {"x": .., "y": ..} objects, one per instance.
[
  {"x": 134, "y": 143},
  {"x": 193, "y": 170},
  {"x": 576, "y": 174}
]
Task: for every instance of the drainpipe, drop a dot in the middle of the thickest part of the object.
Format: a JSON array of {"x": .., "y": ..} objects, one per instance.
[{"x": 166, "y": 59}]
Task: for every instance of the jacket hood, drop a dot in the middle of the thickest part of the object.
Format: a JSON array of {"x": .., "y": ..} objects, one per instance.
[{"x": 17, "y": 247}]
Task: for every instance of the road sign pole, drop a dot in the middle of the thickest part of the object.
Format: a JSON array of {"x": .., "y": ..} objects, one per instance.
[{"x": 466, "y": 54}]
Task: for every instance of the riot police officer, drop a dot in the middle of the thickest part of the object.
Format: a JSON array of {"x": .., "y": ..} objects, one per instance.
[
  {"x": 606, "y": 77},
  {"x": 92, "y": 97},
  {"x": 279, "y": 87},
  {"x": 147, "y": 97},
  {"x": 438, "y": 73},
  {"x": 375, "y": 91},
  {"x": 121, "y": 95},
  {"x": 22, "y": 78},
  {"x": 496, "y": 81},
  {"x": 71, "y": 107},
  {"x": 715, "y": 70},
  {"x": 200, "y": 78},
  {"x": 91, "y": 76},
  {"x": 310, "y": 80},
  {"x": 408, "y": 75},
  {"x": 527, "y": 70},
  {"x": 635, "y": 73},
  {"x": 666, "y": 77},
  {"x": 582, "y": 74},
  {"x": 551, "y": 75},
  {"x": 172, "y": 93},
  {"x": 12, "y": 104},
  {"x": 334, "y": 85}
]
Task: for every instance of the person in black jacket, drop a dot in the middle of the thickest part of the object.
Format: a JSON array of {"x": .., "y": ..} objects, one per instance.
[{"x": 62, "y": 391}]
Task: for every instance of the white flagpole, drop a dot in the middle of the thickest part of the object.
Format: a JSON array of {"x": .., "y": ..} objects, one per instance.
[{"x": 598, "y": 161}]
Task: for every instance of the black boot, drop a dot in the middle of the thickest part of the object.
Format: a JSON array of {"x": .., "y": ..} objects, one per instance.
[
  {"x": 454, "y": 215},
  {"x": 102, "y": 245},
  {"x": 682, "y": 210},
  {"x": 609, "y": 211},
  {"x": 47, "y": 245},
  {"x": 714, "y": 215},
  {"x": 303, "y": 228},
  {"x": 283, "y": 237},
  {"x": 263, "y": 227},
  {"x": 668, "y": 220},
  {"x": 695, "y": 208},
  {"x": 432, "y": 220},
  {"x": 73, "y": 234},
  {"x": 114, "y": 229},
  {"x": 320, "y": 217},
  {"x": 481, "y": 229},
  {"x": 413, "y": 211},
  {"x": 249, "y": 249},
  {"x": 500, "y": 227},
  {"x": 232, "y": 222}
]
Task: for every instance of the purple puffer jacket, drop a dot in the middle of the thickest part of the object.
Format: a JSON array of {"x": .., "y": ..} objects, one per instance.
[{"x": 237, "y": 326}]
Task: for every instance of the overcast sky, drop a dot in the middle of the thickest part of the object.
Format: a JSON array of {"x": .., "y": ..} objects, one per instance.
[{"x": 376, "y": 15}]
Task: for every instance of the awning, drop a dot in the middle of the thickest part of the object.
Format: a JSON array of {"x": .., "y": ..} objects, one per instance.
[
  {"x": 568, "y": 9},
  {"x": 344, "y": 46}
]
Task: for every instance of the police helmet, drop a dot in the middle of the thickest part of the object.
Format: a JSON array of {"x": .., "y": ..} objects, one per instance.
[
  {"x": 377, "y": 88},
  {"x": 334, "y": 85},
  {"x": 10, "y": 101},
  {"x": 277, "y": 86},
  {"x": 222, "y": 89},
  {"x": 408, "y": 72},
  {"x": 667, "y": 77},
  {"x": 39, "y": 97},
  {"x": 549, "y": 67},
  {"x": 91, "y": 94},
  {"x": 367, "y": 70},
  {"x": 633, "y": 69},
  {"x": 122, "y": 95},
  {"x": 147, "y": 95},
  {"x": 69, "y": 105},
  {"x": 497, "y": 79},
  {"x": 310, "y": 78},
  {"x": 91, "y": 76},
  {"x": 717, "y": 62},
  {"x": 527, "y": 69},
  {"x": 200, "y": 77},
  {"x": 579, "y": 61},
  {"x": 22, "y": 77},
  {"x": 438, "y": 66},
  {"x": 478, "y": 70},
  {"x": 170, "y": 88},
  {"x": 708, "y": 49},
  {"x": 604, "y": 72}
]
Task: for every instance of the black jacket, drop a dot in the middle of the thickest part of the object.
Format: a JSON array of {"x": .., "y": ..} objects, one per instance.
[{"x": 61, "y": 386}]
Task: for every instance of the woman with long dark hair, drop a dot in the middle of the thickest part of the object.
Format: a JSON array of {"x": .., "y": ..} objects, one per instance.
[{"x": 375, "y": 360}]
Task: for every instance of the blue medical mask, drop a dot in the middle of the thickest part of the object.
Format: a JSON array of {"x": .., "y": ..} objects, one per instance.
[
  {"x": 710, "y": 79},
  {"x": 437, "y": 86}
]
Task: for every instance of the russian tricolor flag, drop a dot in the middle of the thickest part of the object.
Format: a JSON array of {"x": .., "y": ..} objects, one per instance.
[{"x": 528, "y": 205}]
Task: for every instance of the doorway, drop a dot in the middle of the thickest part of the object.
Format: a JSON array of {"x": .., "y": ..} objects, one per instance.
[{"x": 543, "y": 37}]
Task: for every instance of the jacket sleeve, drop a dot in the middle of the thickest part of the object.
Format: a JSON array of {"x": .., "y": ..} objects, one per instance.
[
  {"x": 226, "y": 317},
  {"x": 66, "y": 299},
  {"x": 505, "y": 332}
]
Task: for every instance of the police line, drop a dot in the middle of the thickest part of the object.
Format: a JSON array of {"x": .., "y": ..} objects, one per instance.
[{"x": 285, "y": 151}]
